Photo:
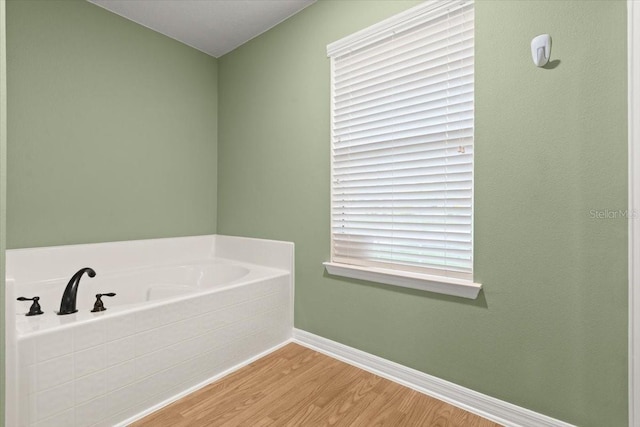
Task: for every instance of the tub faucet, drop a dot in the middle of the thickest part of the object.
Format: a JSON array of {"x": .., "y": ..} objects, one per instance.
[{"x": 68, "y": 303}]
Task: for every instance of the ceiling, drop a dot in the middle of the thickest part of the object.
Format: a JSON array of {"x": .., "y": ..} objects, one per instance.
[{"x": 212, "y": 26}]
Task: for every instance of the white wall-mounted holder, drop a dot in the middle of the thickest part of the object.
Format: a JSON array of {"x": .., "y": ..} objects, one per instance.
[{"x": 541, "y": 49}]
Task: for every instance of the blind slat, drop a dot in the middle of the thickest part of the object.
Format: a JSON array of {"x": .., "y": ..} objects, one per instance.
[
  {"x": 435, "y": 75},
  {"x": 408, "y": 241},
  {"x": 406, "y": 120},
  {"x": 424, "y": 211},
  {"x": 441, "y": 159},
  {"x": 407, "y": 64},
  {"x": 456, "y": 181},
  {"x": 457, "y": 121},
  {"x": 428, "y": 140},
  {"x": 415, "y": 91},
  {"x": 441, "y": 98}
]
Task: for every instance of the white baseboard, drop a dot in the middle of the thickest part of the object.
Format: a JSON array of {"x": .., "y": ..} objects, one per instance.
[{"x": 488, "y": 407}]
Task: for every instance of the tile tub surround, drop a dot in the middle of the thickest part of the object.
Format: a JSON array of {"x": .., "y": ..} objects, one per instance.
[{"x": 110, "y": 367}]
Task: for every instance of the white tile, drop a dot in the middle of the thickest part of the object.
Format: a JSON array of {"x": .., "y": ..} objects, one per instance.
[
  {"x": 63, "y": 419},
  {"x": 120, "y": 375},
  {"x": 89, "y": 387},
  {"x": 234, "y": 331},
  {"x": 54, "y": 400},
  {"x": 27, "y": 383},
  {"x": 121, "y": 350},
  {"x": 120, "y": 326},
  {"x": 91, "y": 413},
  {"x": 151, "y": 363},
  {"x": 175, "y": 375},
  {"x": 26, "y": 351},
  {"x": 191, "y": 348},
  {"x": 210, "y": 360},
  {"x": 149, "y": 341},
  {"x": 54, "y": 344},
  {"x": 268, "y": 303},
  {"x": 227, "y": 298},
  {"x": 179, "y": 331},
  {"x": 191, "y": 328},
  {"x": 152, "y": 385},
  {"x": 24, "y": 401},
  {"x": 121, "y": 399},
  {"x": 213, "y": 340},
  {"x": 54, "y": 372},
  {"x": 89, "y": 361},
  {"x": 32, "y": 408},
  {"x": 89, "y": 334},
  {"x": 149, "y": 319},
  {"x": 174, "y": 332},
  {"x": 191, "y": 375},
  {"x": 179, "y": 310},
  {"x": 197, "y": 366},
  {"x": 156, "y": 339},
  {"x": 200, "y": 305},
  {"x": 201, "y": 324},
  {"x": 215, "y": 320},
  {"x": 223, "y": 362}
]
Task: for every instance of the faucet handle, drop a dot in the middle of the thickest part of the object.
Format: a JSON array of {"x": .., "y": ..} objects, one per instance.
[
  {"x": 99, "y": 305},
  {"x": 35, "y": 308}
]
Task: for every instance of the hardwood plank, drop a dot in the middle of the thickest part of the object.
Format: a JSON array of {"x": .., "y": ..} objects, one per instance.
[
  {"x": 296, "y": 386},
  {"x": 346, "y": 405},
  {"x": 291, "y": 395},
  {"x": 385, "y": 409}
]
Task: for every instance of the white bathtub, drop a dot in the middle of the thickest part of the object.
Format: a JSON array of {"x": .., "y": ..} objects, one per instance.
[{"x": 186, "y": 311}]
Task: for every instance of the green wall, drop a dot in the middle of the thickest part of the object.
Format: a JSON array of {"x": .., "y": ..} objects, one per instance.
[
  {"x": 112, "y": 129},
  {"x": 549, "y": 331},
  {"x": 3, "y": 195}
]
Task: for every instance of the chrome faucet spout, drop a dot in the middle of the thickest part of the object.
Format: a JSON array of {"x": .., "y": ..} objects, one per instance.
[{"x": 68, "y": 302}]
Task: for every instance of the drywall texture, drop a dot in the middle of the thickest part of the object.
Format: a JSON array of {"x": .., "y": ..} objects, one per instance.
[
  {"x": 3, "y": 198},
  {"x": 112, "y": 129},
  {"x": 549, "y": 331}
]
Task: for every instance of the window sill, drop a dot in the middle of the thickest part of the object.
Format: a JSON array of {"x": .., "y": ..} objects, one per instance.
[{"x": 424, "y": 282}]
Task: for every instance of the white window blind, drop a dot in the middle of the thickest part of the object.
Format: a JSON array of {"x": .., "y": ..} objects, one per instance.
[{"x": 402, "y": 143}]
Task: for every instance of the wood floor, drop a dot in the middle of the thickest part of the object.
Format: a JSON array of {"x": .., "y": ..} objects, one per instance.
[{"x": 296, "y": 386}]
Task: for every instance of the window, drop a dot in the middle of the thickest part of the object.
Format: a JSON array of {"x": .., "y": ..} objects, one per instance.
[{"x": 402, "y": 150}]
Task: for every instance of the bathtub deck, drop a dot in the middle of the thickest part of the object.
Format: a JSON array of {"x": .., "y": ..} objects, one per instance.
[{"x": 296, "y": 386}]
